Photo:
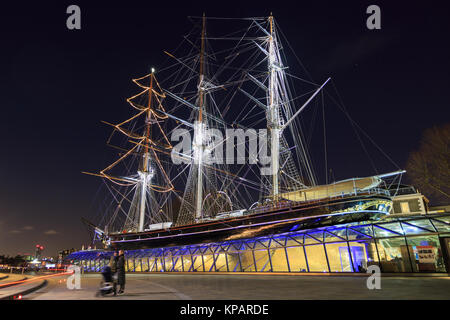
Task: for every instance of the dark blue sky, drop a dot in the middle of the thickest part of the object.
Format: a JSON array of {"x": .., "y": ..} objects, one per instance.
[{"x": 56, "y": 85}]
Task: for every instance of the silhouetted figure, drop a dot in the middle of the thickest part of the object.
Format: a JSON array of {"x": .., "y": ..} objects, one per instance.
[
  {"x": 121, "y": 271},
  {"x": 113, "y": 266}
]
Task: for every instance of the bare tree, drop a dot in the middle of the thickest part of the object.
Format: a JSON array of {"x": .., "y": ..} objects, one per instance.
[{"x": 428, "y": 167}]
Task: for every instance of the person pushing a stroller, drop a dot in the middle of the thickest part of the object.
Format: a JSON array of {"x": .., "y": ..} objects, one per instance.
[
  {"x": 109, "y": 277},
  {"x": 106, "y": 286},
  {"x": 113, "y": 266},
  {"x": 113, "y": 275}
]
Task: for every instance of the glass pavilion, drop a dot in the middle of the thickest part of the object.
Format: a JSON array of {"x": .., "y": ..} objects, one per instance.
[{"x": 395, "y": 244}]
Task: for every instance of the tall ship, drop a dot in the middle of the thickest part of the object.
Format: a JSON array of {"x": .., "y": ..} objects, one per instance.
[{"x": 214, "y": 149}]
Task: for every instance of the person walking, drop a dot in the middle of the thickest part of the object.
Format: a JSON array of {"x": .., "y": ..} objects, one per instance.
[{"x": 121, "y": 271}]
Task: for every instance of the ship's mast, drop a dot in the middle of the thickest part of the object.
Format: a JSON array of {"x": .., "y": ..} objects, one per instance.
[
  {"x": 148, "y": 185},
  {"x": 199, "y": 128},
  {"x": 146, "y": 173},
  {"x": 274, "y": 121}
]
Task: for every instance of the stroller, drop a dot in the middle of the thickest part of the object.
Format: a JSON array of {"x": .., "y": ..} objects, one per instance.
[{"x": 107, "y": 284}]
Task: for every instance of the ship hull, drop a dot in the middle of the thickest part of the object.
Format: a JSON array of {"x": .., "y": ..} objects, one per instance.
[{"x": 273, "y": 220}]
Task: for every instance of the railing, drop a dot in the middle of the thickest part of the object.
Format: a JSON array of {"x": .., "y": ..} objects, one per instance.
[
  {"x": 287, "y": 204},
  {"x": 402, "y": 191}
]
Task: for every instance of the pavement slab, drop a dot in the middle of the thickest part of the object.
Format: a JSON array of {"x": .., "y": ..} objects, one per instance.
[{"x": 251, "y": 287}]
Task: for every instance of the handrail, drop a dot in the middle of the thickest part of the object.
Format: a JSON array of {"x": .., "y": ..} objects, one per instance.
[{"x": 337, "y": 195}]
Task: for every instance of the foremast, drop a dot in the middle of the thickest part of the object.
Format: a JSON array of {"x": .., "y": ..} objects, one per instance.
[{"x": 149, "y": 178}]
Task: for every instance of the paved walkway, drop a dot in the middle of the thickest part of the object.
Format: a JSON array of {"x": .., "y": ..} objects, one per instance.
[
  {"x": 248, "y": 287},
  {"x": 16, "y": 289},
  {"x": 11, "y": 277}
]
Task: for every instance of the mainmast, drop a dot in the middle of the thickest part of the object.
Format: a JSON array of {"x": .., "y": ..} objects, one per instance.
[
  {"x": 203, "y": 194},
  {"x": 199, "y": 128},
  {"x": 146, "y": 173},
  {"x": 274, "y": 119}
]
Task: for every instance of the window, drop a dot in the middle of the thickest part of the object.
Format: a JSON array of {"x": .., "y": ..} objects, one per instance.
[
  {"x": 339, "y": 257},
  {"x": 262, "y": 260},
  {"x": 247, "y": 261},
  {"x": 198, "y": 263},
  {"x": 426, "y": 254},
  {"x": 138, "y": 265},
  {"x": 317, "y": 260},
  {"x": 153, "y": 264},
  {"x": 404, "y": 207},
  {"x": 168, "y": 263},
  {"x": 297, "y": 261},
  {"x": 187, "y": 262},
  {"x": 208, "y": 260},
  {"x": 221, "y": 262},
  {"x": 160, "y": 264},
  {"x": 129, "y": 267},
  {"x": 278, "y": 257},
  {"x": 234, "y": 263},
  {"x": 144, "y": 262},
  {"x": 177, "y": 264},
  {"x": 394, "y": 255}
]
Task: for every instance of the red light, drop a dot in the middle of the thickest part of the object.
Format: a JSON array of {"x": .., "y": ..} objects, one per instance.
[
  {"x": 37, "y": 246},
  {"x": 42, "y": 248},
  {"x": 20, "y": 297}
]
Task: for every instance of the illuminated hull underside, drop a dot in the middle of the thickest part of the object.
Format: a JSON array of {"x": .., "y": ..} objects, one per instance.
[{"x": 276, "y": 220}]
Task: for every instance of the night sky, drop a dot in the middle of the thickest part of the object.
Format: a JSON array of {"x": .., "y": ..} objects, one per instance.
[{"x": 56, "y": 85}]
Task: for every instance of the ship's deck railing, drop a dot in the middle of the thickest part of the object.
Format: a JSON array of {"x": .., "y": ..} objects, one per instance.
[
  {"x": 403, "y": 191},
  {"x": 287, "y": 204}
]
